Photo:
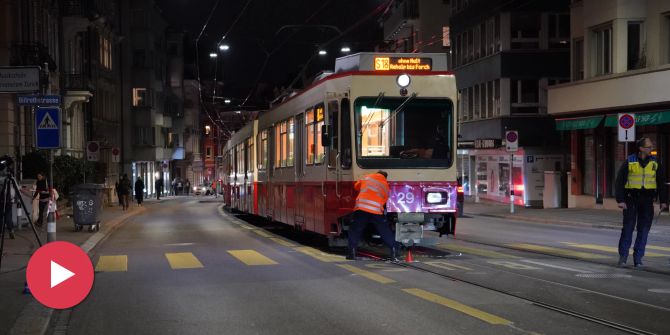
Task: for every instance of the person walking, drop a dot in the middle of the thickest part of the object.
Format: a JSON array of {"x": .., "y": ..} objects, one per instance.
[
  {"x": 41, "y": 191},
  {"x": 641, "y": 179},
  {"x": 369, "y": 208},
  {"x": 125, "y": 189},
  {"x": 188, "y": 187},
  {"x": 139, "y": 191},
  {"x": 158, "y": 184}
]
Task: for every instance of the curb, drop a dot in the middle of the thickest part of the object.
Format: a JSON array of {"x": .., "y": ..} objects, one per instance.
[{"x": 35, "y": 317}]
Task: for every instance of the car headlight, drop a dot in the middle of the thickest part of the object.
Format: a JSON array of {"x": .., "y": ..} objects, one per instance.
[{"x": 434, "y": 197}]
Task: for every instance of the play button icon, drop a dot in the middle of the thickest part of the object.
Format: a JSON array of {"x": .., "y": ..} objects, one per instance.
[{"x": 60, "y": 275}]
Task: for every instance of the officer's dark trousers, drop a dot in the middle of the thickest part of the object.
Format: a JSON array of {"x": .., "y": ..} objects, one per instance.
[
  {"x": 361, "y": 219},
  {"x": 640, "y": 211}
]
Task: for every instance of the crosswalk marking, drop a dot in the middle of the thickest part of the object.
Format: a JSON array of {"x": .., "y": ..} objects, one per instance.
[
  {"x": 112, "y": 263},
  {"x": 610, "y": 249},
  {"x": 447, "y": 266},
  {"x": 320, "y": 255},
  {"x": 367, "y": 274},
  {"x": 183, "y": 260},
  {"x": 455, "y": 305},
  {"x": 283, "y": 242},
  {"x": 251, "y": 257},
  {"x": 654, "y": 247},
  {"x": 262, "y": 233},
  {"x": 557, "y": 251},
  {"x": 474, "y": 251}
]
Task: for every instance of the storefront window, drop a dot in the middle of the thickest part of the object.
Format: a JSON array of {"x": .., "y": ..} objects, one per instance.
[{"x": 589, "y": 165}]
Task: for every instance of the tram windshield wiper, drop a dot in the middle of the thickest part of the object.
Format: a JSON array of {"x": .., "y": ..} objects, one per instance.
[
  {"x": 398, "y": 109},
  {"x": 380, "y": 96}
]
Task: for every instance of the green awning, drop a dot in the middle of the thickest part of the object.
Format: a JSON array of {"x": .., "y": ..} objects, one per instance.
[
  {"x": 579, "y": 123},
  {"x": 642, "y": 119}
]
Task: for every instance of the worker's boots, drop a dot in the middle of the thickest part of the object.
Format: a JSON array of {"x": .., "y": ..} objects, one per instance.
[{"x": 351, "y": 254}]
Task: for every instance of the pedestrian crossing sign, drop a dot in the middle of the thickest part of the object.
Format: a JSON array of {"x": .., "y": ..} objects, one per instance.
[{"x": 47, "y": 128}]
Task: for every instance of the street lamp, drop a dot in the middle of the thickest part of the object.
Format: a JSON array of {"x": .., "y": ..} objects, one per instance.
[
  {"x": 345, "y": 50},
  {"x": 213, "y": 55},
  {"x": 224, "y": 47},
  {"x": 322, "y": 52},
  {"x": 227, "y": 101}
]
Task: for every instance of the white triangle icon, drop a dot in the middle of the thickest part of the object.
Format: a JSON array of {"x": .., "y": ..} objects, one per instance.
[
  {"x": 59, "y": 274},
  {"x": 47, "y": 122}
]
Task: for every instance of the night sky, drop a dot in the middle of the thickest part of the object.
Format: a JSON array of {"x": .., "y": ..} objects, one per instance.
[{"x": 255, "y": 31}]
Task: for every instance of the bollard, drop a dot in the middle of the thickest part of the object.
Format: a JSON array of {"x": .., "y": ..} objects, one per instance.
[{"x": 51, "y": 224}]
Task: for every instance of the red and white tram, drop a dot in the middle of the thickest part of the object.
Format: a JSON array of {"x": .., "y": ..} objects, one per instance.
[{"x": 297, "y": 162}]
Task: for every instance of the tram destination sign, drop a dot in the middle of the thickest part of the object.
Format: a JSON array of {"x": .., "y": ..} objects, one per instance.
[{"x": 403, "y": 64}]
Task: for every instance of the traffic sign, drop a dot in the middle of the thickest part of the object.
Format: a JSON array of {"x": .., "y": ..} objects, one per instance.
[
  {"x": 93, "y": 151},
  {"x": 626, "y": 127},
  {"x": 60, "y": 275},
  {"x": 19, "y": 79},
  {"x": 116, "y": 155},
  {"x": 44, "y": 100},
  {"x": 47, "y": 128},
  {"x": 512, "y": 140}
]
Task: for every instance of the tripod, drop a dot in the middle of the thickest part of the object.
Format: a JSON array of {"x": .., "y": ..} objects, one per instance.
[{"x": 6, "y": 195}]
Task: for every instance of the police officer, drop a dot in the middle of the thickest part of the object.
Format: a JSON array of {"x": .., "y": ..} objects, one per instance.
[
  {"x": 639, "y": 181},
  {"x": 373, "y": 194}
]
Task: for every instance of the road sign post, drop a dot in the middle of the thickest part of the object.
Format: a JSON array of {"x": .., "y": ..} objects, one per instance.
[
  {"x": 47, "y": 128},
  {"x": 512, "y": 145},
  {"x": 626, "y": 126}
]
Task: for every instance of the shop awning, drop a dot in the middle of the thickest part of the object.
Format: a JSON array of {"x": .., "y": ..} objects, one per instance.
[
  {"x": 642, "y": 119},
  {"x": 579, "y": 123}
]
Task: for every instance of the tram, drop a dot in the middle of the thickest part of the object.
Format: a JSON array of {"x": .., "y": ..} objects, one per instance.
[{"x": 297, "y": 162}]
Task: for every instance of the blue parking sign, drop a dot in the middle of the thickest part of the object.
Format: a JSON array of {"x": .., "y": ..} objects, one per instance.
[{"x": 47, "y": 128}]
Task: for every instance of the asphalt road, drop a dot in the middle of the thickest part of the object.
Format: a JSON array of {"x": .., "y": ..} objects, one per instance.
[{"x": 185, "y": 267}]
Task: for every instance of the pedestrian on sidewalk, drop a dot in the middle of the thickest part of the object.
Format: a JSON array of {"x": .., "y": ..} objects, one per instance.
[
  {"x": 41, "y": 191},
  {"x": 188, "y": 187},
  {"x": 124, "y": 191},
  {"x": 139, "y": 191},
  {"x": 369, "y": 208},
  {"x": 159, "y": 187},
  {"x": 641, "y": 179}
]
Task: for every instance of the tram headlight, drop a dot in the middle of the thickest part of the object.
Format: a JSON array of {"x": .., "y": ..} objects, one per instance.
[
  {"x": 434, "y": 197},
  {"x": 403, "y": 80}
]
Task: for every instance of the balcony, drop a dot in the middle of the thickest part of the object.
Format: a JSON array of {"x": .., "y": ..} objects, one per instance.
[
  {"x": 26, "y": 54},
  {"x": 629, "y": 89},
  {"x": 400, "y": 17},
  {"x": 77, "y": 82}
]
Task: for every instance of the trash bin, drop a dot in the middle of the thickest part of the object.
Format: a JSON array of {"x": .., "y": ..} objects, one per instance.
[
  {"x": 551, "y": 198},
  {"x": 86, "y": 205}
]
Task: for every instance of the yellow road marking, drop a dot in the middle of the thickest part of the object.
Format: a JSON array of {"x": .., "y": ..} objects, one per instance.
[
  {"x": 112, "y": 263},
  {"x": 183, "y": 260},
  {"x": 262, "y": 233},
  {"x": 475, "y": 251},
  {"x": 447, "y": 265},
  {"x": 610, "y": 249},
  {"x": 557, "y": 251},
  {"x": 320, "y": 255},
  {"x": 367, "y": 274},
  {"x": 251, "y": 257},
  {"x": 653, "y": 247},
  {"x": 455, "y": 305},
  {"x": 247, "y": 226},
  {"x": 283, "y": 242}
]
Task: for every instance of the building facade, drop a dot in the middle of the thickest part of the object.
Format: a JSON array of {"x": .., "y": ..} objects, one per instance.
[
  {"x": 416, "y": 26},
  {"x": 620, "y": 63},
  {"x": 505, "y": 54}
]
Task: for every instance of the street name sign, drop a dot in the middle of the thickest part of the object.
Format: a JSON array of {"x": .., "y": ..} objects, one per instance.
[
  {"x": 626, "y": 127},
  {"x": 47, "y": 128},
  {"x": 512, "y": 140},
  {"x": 19, "y": 79},
  {"x": 43, "y": 100}
]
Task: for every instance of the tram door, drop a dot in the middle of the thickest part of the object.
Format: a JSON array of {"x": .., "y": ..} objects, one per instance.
[
  {"x": 331, "y": 137},
  {"x": 299, "y": 165}
]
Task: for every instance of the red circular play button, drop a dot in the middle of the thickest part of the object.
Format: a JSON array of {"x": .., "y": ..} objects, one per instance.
[{"x": 60, "y": 275}]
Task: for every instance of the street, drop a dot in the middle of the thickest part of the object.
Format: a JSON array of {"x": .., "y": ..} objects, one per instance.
[{"x": 185, "y": 266}]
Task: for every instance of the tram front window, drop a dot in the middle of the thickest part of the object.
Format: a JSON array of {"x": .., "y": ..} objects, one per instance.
[{"x": 404, "y": 132}]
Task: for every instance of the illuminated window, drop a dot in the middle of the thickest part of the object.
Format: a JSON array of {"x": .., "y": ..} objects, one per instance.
[
  {"x": 319, "y": 149},
  {"x": 263, "y": 150},
  {"x": 283, "y": 138},
  {"x": 105, "y": 53},
  {"x": 208, "y": 129},
  {"x": 277, "y": 145},
  {"x": 445, "y": 37},
  {"x": 240, "y": 158},
  {"x": 140, "y": 97},
  {"x": 309, "y": 134},
  {"x": 374, "y": 139},
  {"x": 290, "y": 138},
  {"x": 250, "y": 155}
]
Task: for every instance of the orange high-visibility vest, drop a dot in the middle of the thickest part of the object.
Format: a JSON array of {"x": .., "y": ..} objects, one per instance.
[{"x": 374, "y": 192}]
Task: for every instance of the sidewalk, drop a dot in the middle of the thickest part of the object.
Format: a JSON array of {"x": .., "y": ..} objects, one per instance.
[
  {"x": 597, "y": 218},
  {"x": 30, "y": 316}
]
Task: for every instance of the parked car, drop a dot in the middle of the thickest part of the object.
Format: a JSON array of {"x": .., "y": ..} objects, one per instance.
[{"x": 205, "y": 189}]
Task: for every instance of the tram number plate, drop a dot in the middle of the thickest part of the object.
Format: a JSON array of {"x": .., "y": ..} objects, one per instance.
[{"x": 410, "y": 217}]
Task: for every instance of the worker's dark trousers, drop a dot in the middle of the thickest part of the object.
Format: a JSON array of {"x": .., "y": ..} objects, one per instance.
[
  {"x": 361, "y": 219},
  {"x": 640, "y": 211}
]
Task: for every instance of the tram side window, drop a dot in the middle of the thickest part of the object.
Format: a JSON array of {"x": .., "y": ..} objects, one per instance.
[
  {"x": 283, "y": 138},
  {"x": 240, "y": 158},
  {"x": 320, "y": 121},
  {"x": 250, "y": 154},
  {"x": 277, "y": 151},
  {"x": 346, "y": 156},
  {"x": 263, "y": 150},
  {"x": 334, "y": 130},
  {"x": 290, "y": 140},
  {"x": 309, "y": 134}
]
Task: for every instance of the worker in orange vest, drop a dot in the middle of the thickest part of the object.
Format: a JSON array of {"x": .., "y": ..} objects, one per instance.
[{"x": 370, "y": 202}]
